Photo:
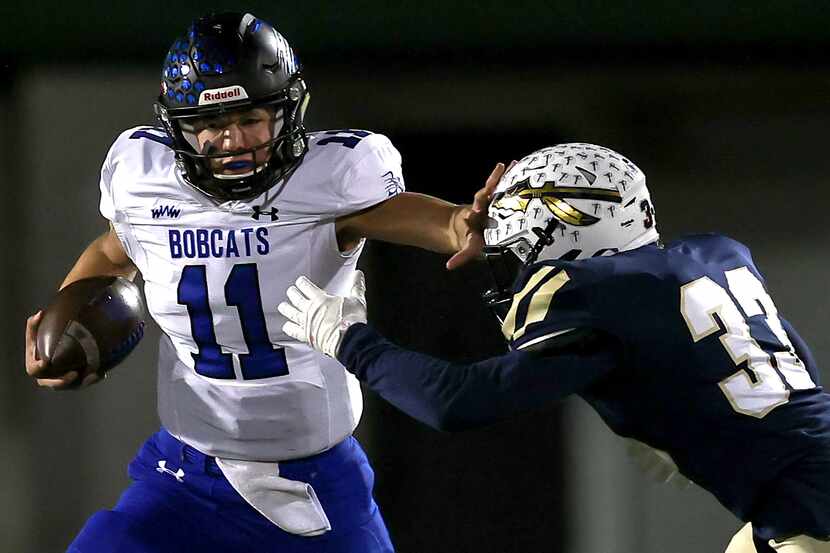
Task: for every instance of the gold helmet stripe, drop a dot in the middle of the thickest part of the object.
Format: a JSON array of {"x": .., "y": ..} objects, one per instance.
[{"x": 518, "y": 196}]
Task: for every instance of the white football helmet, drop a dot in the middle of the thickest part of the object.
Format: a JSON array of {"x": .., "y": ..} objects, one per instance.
[{"x": 569, "y": 201}]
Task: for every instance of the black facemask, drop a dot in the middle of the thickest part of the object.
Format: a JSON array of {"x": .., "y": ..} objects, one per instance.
[{"x": 506, "y": 268}]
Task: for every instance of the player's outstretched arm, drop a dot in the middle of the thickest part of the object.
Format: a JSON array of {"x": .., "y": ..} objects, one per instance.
[
  {"x": 444, "y": 395},
  {"x": 104, "y": 256},
  {"x": 456, "y": 396},
  {"x": 426, "y": 222}
]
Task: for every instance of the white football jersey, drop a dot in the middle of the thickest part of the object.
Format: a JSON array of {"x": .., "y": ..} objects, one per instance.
[{"x": 230, "y": 383}]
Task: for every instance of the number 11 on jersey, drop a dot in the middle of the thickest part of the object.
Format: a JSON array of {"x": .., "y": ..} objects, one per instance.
[{"x": 263, "y": 359}]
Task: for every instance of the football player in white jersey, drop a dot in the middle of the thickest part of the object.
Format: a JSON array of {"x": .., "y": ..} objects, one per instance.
[{"x": 221, "y": 209}]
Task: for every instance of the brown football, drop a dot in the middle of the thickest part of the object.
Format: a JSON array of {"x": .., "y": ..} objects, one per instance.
[{"x": 90, "y": 326}]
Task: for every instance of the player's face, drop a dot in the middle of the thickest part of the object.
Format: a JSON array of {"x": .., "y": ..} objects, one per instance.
[{"x": 235, "y": 132}]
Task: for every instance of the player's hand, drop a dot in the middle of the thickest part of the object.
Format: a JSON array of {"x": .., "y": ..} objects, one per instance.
[
  {"x": 475, "y": 219},
  {"x": 320, "y": 319},
  {"x": 35, "y": 366},
  {"x": 656, "y": 464}
]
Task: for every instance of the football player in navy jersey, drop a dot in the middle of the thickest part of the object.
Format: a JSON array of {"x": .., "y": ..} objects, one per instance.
[
  {"x": 220, "y": 208},
  {"x": 679, "y": 347}
]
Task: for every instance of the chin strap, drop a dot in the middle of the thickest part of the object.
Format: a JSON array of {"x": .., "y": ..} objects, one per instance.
[{"x": 545, "y": 239}]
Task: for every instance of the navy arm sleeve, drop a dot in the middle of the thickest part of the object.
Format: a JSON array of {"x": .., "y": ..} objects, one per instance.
[{"x": 457, "y": 396}]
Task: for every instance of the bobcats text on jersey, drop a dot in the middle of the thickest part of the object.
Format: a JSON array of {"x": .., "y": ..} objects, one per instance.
[{"x": 205, "y": 243}]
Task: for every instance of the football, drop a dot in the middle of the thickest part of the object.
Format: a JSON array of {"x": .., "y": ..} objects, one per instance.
[{"x": 90, "y": 326}]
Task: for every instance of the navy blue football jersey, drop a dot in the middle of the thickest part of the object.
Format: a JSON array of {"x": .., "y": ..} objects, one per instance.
[
  {"x": 707, "y": 371},
  {"x": 680, "y": 347}
]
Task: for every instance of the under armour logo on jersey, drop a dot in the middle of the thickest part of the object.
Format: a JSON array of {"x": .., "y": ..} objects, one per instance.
[
  {"x": 258, "y": 212},
  {"x": 162, "y": 468},
  {"x": 165, "y": 211}
]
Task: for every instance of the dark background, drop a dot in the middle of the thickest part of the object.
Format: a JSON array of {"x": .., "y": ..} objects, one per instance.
[{"x": 723, "y": 105}]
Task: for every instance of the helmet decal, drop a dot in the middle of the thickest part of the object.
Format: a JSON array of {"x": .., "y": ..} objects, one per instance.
[
  {"x": 554, "y": 197},
  {"x": 224, "y": 94}
]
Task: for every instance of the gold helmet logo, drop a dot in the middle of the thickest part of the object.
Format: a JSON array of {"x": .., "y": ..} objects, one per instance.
[{"x": 518, "y": 196}]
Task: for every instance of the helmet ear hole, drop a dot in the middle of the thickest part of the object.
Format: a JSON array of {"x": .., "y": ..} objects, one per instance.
[{"x": 521, "y": 249}]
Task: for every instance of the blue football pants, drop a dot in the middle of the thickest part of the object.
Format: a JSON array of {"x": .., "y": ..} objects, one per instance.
[{"x": 163, "y": 511}]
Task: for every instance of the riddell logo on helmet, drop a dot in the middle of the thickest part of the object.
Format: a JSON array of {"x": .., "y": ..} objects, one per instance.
[{"x": 225, "y": 94}]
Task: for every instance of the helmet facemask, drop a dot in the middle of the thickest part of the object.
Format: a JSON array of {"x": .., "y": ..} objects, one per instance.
[
  {"x": 228, "y": 67},
  {"x": 238, "y": 173},
  {"x": 508, "y": 261},
  {"x": 257, "y": 129}
]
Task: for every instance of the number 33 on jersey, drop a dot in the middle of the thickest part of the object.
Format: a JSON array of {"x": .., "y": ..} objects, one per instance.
[
  {"x": 725, "y": 337},
  {"x": 759, "y": 385},
  {"x": 704, "y": 366}
]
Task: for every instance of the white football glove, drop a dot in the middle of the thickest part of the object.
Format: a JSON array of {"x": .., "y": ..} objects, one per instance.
[
  {"x": 320, "y": 319},
  {"x": 656, "y": 464}
]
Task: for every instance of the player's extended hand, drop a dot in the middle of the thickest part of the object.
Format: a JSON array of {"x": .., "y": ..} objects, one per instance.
[
  {"x": 474, "y": 219},
  {"x": 656, "y": 464},
  {"x": 320, "y": 319},
  {"x": 35, "y": 366}
]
